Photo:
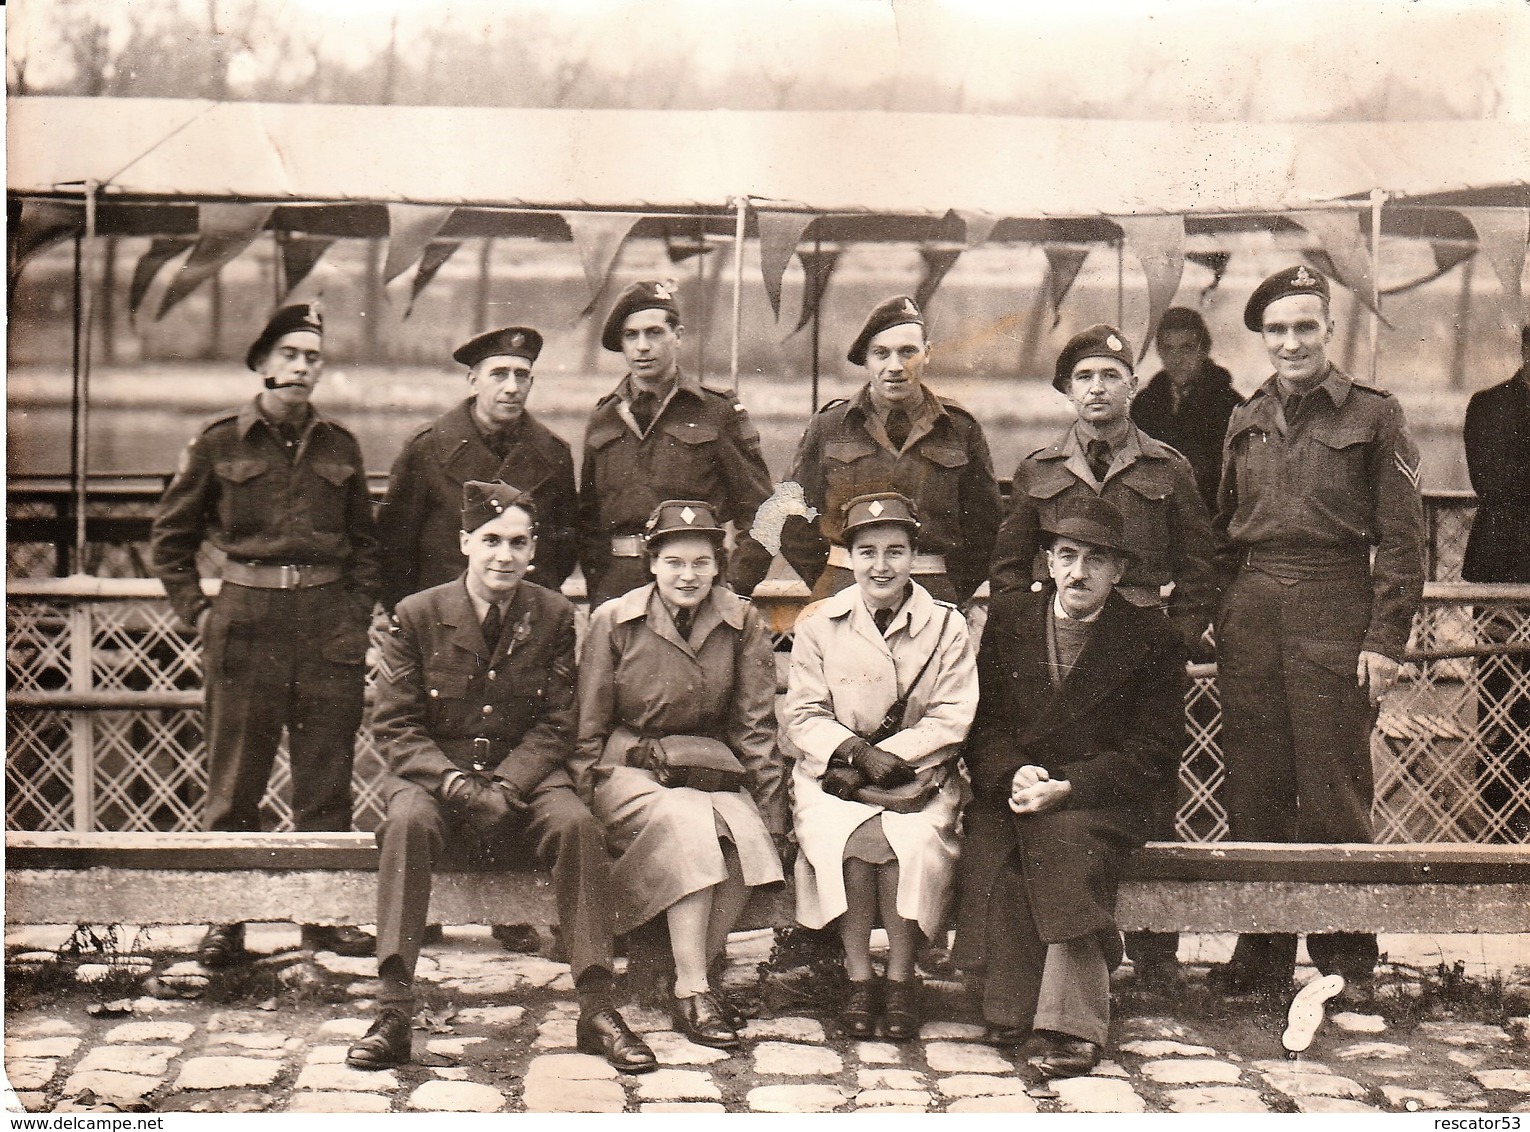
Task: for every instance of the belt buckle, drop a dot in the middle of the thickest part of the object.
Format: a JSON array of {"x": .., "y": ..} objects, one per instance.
[
  {"x": 291, "y": 577},
  {"x": 480, "y": 754}
]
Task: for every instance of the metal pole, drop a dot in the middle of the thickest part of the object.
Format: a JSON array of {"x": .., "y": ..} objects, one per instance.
[
  {"x": 742, "y": 204},
  {"x": 1462, "y": 343},
  {"x": 64, "y": 547},
  {"x": 1377, "y": 196},
  {"x": 1120, "y": 282},
  {"x": 817, "y": 311},
  {"x": 81, "y": 457}
]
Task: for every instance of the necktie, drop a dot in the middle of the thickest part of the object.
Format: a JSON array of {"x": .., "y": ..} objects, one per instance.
[
  {"x": 883, "y": 618},
  {"x": 1294, "y": 405},
  {"x": 683, "y": 623},
  {"x": 492, "y": 624},
  {"x": 644, "y": 406},
  {"x": 897, "y": 428},
  {"x": 1098, "y": 454}
]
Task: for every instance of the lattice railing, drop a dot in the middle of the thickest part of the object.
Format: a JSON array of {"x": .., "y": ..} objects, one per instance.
[{"x": 104, "y": 720}]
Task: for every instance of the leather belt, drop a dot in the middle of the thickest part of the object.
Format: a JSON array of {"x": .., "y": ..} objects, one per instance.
[
  {"x": 923, "y": 563},
  {"x": 272, "y": 576},
  {"x": 626, "y": 546},
  {"x": 1306, "y": 563}
]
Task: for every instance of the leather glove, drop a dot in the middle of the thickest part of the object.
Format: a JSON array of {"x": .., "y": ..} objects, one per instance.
[
  {"x": 842, "y": 781},
  {"x": 513, "y": 799},
  {"x": 480, "y": 805},
  {"x": 882, "y": 767}
]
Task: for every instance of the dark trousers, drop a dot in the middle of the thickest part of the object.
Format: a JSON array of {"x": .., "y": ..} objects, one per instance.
[
  {"x": 274, "y": 659},
  {"x": 1296, "y": 736},
  {"x": 417, "y": 837},
  {"x": 1503, "y": 721}
]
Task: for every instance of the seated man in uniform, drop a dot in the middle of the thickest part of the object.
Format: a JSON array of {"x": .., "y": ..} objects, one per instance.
[
  {"x": 476, "y": 715},
  {"x": 1078, "y": 730}
]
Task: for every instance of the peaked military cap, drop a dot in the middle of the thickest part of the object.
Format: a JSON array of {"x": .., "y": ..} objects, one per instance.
[
  {"x": 299, "y": 316},
  {"x": 877, "y": 508},
  {"x": 889, "y": 312},
  {"x": 1298, "y": 280},
  {"x": 1089, "y": 519},
  {"x": 645, "y": 294},
  {"x": 514, "y": 341},
  {"x": 482, "y": 502},
  {"x": 682, "y": 517},
  {"x": 1098, "y": 341}
]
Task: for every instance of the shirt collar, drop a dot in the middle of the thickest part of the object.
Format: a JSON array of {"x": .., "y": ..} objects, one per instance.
[
  {"x": 930, "y": 406},
  {"x": 1063, "y": 615},
  {"x": 251, "y": 414}
]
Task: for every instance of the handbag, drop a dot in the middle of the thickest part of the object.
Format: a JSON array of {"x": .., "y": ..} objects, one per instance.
[
  {"x": 913, "y": 796},
  {"x": 695, "y": 761}
]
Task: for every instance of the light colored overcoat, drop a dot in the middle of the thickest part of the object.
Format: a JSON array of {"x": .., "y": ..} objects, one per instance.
[{"x": 845, "y": 675}]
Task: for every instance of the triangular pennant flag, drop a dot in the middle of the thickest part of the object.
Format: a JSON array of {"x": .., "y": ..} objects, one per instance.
[
  {"x": 1448, "y": 253},
  {"x": 1158, "y": 242},
  {"x": 598, "y": 237},
  {"x": 437, "y": 252},
  {"x": 979, "y": 225},
  {"x": 1339, "y": 233},
  {"x": 937, "y": 261},
  {"x": 161, "y": 252},
  {"x": 780, "y": 232},
  {"x": 1214, "y": 262},
  {"x": 1063, "y": 264},
  {"x": 681, "y": 248},
  {"x": 1502, "y": 233},
  {"x": 225, "y": 231},
  {"x": 41, "y": 224},
  {"x": 817, "y": 268},
  {"x": 410, "y": 228},
  {"x": 300, "y": 255}
]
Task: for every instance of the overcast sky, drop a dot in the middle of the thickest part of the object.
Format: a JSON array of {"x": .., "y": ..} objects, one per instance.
[{"x": 1178, "y": 58}]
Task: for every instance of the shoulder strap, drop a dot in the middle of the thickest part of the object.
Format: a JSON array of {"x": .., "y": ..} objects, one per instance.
[{"x": 925, "y": 667}]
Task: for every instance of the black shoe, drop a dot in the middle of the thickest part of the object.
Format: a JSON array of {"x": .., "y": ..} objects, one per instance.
[
  {"x": 1004, "y": 1037},
  {"x": 730, "y": 1011},
  {"x": 701, "y": 1019},
  {"x": 1161, "y": 972},
  {"x": 387, "y": 1042},
  {"x": 222, "y": 946},
  {"x": 606, "y": 1034},
  {"x": 342, "y": 940},
  {"x": 900, "y": 1012},
  {"x": 858, "y": 1017},
  {"x": 1238, "y": 979},
  {"x": 1067, "y": 1057},
  {"x": 522, "y": 938}
]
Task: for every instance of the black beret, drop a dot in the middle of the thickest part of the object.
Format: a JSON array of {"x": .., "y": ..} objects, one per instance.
[
  {"x": 645, "y": 294},
  {"x": 889, "y": 312},
  {"x": 302, "y": 316},
  {"x": 482, "y": 502},
  {"x": 877, "y": 508},
  {"x": 1098, "y": 341},
  {"x": 1298, "y": 280},
  {"x": 1091, "y": 520},
  {"x": 514, "y": 341},
  {"x": 682, "y": 517}
]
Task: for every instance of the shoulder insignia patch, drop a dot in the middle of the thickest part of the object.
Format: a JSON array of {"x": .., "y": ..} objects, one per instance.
[
  {"x": 394, "y": 675},
  {"x": 946, "y": 604},
  {"x": 1410, "y": 472},
  {"x": 834, "y": 404}
]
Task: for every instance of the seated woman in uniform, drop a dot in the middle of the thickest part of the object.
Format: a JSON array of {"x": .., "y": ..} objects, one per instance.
[
  {"x": 677, "y": 751},
  {"x": 883, "y": 687}
]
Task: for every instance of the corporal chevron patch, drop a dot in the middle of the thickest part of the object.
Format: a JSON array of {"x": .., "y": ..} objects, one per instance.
[
  {"x": 392, "y": 673},
  {"x": 1412, "y": 473}
]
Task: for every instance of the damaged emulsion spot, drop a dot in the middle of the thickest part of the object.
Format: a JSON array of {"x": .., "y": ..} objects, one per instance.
[{"x": 787, "y": 500}]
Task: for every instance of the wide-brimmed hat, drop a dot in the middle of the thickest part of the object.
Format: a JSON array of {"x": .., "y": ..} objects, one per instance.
[{"x": 1089, "y": 519}]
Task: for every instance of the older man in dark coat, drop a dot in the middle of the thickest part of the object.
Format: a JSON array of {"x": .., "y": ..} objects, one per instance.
[{"x": 1076, "y": 739}]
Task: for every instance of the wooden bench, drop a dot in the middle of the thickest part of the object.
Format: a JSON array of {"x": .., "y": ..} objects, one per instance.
[{"x": 180, "y": 878}]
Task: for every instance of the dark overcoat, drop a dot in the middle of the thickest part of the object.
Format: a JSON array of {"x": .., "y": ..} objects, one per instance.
[
  {"x": 1113, "y": 729},
  {"x": 421, "y": 515},
  {"x": 1498, "y": 459}
]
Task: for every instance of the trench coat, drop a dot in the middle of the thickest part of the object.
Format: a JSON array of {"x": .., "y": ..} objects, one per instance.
[
  {"x": 844, "y": 677},
  {"x": 1113, "y": 729},
  {"x": 638, "y": 678}
]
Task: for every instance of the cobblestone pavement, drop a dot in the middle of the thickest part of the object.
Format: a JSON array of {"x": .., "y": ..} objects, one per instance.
[{"x": 497, "y": 1032}]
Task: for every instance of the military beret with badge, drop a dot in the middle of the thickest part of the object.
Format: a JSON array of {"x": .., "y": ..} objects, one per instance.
[
  {"x": 645, "y": 294},
  {"x": 896, "y": 311},
  {"x": 288, "y": 320},
  {"x": 1298, "y": 280},
  {"x": 1098, "y": 341},
  {"x": 508, "y": 341}
]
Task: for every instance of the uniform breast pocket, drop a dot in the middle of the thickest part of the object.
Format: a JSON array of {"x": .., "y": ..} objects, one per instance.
[
  {"x": 687, "y": 458},
  {"x": 850, "y": 470},
  {"x": 941, "y": 468},
  {"x": 1254, "y": 462},
  {"x": 332, "y": 485},
  {"x": 245, "y": 490},
  {"x": 1335, "y": 476},
  {"x": 446, "y": 695},
  {"x": 1145, "y": 506}
]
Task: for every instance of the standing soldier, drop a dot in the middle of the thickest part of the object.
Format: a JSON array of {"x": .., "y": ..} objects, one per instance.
[
  {"x": 1320, "y": 505},
  {"x": 1187, "y": 404},
  {"x": 1104, "y": 455},
  {"x": 282, "y": 491},
  {"x": 896, "y": 434},
  {"x": 661, "y": 435},
  {"x": 489, "y": 436}
]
